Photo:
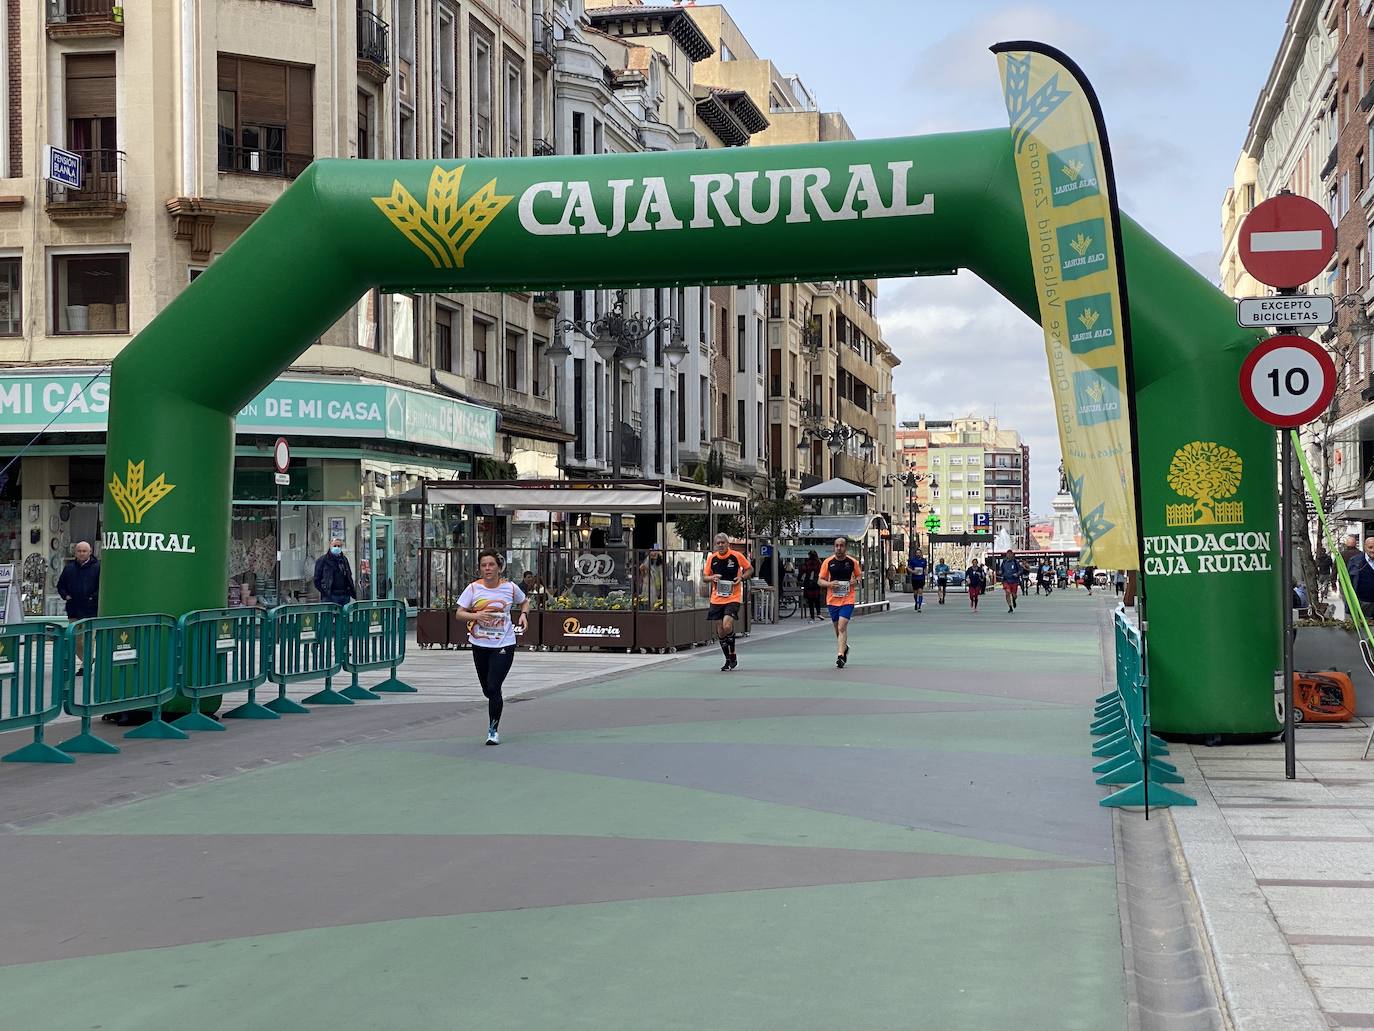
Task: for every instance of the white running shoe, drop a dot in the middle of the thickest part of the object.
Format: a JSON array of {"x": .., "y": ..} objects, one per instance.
[{"x": 493, "y": 738}]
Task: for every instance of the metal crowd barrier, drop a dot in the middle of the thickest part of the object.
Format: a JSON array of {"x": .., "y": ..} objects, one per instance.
[
  {"x": 303, "y": 644},
  {"x": 130, "y": 663},
  {"x": 1131, "y": 754},
  {"x": 31, "y": 693},
  {"x": 374, "y": 638},
  {"x": 222, "y": 653}
]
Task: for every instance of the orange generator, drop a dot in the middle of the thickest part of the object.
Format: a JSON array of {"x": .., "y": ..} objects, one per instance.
[{"x": 1326, "y": 697}]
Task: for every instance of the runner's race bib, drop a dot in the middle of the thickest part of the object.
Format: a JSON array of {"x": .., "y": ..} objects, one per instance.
[
  {"x": 839, "y": 588},
  {"x": 482, "y": 632},
  {"x": 725, "y": 588}
]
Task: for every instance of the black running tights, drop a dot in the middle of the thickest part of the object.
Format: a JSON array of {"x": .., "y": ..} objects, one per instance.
[{"x": 492, "y": 666}]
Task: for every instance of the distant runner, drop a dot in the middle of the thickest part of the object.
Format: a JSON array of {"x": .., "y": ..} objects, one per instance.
[
  {"x": 976, "y": 580},
  {"x": 941, "y": 578},
  {"x": 1009, "y": 572},
  {"x": 486, "y": 605},
  {"x": 725, "y": 571},
  {"x": 840, "y": 577},
  {"x": 916, "y": 568}
]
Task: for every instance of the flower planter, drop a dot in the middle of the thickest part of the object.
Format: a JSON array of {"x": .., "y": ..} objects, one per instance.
[
  {"x": 588, "y": 628},
  {"x": 660, "y": 630},
  {"x": 1335, "y": 648},
  {"x": 432, "y": 628}
]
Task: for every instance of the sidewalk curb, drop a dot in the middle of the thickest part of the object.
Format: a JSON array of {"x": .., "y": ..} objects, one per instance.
[{"x": 1263, "y": 986}]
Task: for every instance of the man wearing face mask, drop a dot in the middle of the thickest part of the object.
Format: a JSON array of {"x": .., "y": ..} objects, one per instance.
[{"x": 333, "y": 577}]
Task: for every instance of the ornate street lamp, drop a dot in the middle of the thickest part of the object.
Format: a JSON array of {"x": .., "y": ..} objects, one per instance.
[{"x": 619, "y": 340}]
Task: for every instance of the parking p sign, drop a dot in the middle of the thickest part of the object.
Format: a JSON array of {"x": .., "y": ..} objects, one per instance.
[{"x": 62, "y": 166}]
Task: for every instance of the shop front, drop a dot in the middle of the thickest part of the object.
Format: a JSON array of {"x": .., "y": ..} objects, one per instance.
[
  {"x": 357, "y": 448},
  {"x": 590, "y": 587}
]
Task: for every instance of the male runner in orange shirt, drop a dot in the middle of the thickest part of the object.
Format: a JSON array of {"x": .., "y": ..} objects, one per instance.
[
  {"x": 840, "y": 575},
  {"x": 725, "y": 571}
]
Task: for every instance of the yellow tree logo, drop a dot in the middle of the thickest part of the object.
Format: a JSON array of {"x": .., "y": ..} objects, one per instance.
[
  {"x": 1081, "y": 243},
  {"x": 133, "y": 497},
  {"x": 442, "y": 228},
  {"x": 1208, "y": 473}
]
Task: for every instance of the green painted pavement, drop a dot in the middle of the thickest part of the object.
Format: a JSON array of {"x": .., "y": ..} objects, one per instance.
[
  {"x": 1021, "y": 950},
  {"x": 375, "y": 790},
  {"x": 1042, "y": 731}
]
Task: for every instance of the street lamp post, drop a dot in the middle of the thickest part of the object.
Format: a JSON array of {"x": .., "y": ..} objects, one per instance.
[{"x": 619, "y": 340}]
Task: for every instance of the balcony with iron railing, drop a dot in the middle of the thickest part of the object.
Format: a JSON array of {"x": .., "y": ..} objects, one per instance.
[
  {"x": 542, "y": 149},
  {"x": 100, "y": 195},
  {"x": 543, "y": 39},
  {"x": 374, "y": 47},
  {"x": 275, "y": 164},
  {"x": 89, "y": 19}
]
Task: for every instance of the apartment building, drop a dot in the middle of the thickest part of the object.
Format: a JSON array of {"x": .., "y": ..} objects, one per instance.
[
  {"x": 1312, "y": 132},
  {"x": 189, "y": 120},
  {"x": 828, "y": 366},
  {"x": 625, "y": 81},
  {"x": 971, "y": 467}
]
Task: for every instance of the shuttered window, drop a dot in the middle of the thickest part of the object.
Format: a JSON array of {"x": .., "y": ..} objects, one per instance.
[
  {"x": 266, "y": 117},
  {"x": 89, "y": 99}
]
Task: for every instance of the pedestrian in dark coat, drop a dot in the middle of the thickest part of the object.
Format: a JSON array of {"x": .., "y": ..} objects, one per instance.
[{"x": 334, "y": 576}]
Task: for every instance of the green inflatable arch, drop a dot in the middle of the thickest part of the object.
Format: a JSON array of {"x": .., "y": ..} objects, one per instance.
[{"x": 835, "y": 210}]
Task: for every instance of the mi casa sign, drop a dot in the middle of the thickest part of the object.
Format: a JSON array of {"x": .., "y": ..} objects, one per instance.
[{"x": 718, "y": 200}]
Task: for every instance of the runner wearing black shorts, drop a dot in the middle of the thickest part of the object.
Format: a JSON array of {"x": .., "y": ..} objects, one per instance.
[{"x": 725, "y": 572}]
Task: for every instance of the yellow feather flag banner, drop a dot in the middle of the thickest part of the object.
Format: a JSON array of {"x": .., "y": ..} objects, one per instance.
[{"x": 1064, "y": 167}]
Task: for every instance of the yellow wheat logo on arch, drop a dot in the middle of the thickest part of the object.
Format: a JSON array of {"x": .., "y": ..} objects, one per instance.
[
  {"x": 1208, "y": 473},
  {"x": 443, "y": 228},
  {"x": 133, "y": 497}
]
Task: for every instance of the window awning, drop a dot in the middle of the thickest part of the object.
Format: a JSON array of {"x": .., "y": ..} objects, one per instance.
[{"x": 625, "y": 498}]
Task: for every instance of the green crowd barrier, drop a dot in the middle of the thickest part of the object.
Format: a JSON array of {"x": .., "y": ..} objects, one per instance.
[
  {"x": 1132, "y": 756},
  {"x": 130, "y": 663},
  {"x": 33, "y": 678},
  {"x": 303, "y": 644},
  {"x": 222, "y": 653},
  {"x": 375, "y": 638}
]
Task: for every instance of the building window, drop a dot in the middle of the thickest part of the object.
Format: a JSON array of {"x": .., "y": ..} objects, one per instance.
[
  {"x": 403, "y": 326},
  {"x": 578, "y": 133},
  {"x": 447, "y": 114},
  {"x": 537, "y": 367},
  {"x": 681, "y": 407},
  {"x": 1359, "y": 266},
  {"x": 739, "y": 342},
  {"x": 443, "y": 339},
  {"x": 481, "y": 334},
  {"x": 266, "y": 117},
  {"x": 90, "y": 293},
  {"x": 974, "y": 493},
  {"x": 481, "y": 95},
  {"x": 514, "y": 98},
  {"x": 512, "y": 370},
  {"x": 366, "y": 147},
  {"x": 90, "y": 106},
  {"x": 367, "y": 321},
  {"x": 10, "y": 297},
  {"x": 739, "y": 420}
]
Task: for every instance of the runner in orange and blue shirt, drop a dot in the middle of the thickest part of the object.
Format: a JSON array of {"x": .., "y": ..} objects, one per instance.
[
  {"x": 725, "y": 571},
  {"x": 840, "y": 575}
]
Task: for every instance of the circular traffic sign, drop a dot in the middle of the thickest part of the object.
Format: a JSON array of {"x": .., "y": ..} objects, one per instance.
[
  {"x": 281, "y": 455},
  {"x": 1286, "y": 241},
  {"x": 1287, "y": 380}
]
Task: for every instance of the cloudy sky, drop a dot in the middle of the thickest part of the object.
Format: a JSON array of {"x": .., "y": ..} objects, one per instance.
[{"x": 1177, "y": 81}]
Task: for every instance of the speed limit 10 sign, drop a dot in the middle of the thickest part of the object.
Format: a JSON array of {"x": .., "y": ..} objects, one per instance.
[{"x": 1287, "y": 381}]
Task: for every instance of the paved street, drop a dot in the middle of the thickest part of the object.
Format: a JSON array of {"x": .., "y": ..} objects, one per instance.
[{"x": 913, "y": 841}]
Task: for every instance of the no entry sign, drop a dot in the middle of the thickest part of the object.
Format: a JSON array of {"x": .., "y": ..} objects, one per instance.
[
  {"x": 1287, "y": 381},
  {"x": 1287, "y": 241}
]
